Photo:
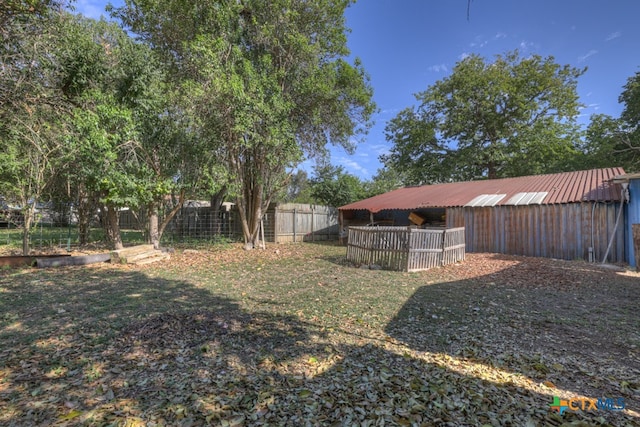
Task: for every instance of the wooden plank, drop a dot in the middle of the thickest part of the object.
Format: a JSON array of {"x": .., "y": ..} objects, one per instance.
[{"x": 124, "y": 253}]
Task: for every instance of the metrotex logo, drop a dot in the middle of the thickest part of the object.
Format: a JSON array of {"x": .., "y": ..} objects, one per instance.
[{"x": 586, "y": 404}]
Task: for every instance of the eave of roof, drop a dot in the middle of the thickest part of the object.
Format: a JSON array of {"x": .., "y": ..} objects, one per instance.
[{"x": 595, "y": 185}]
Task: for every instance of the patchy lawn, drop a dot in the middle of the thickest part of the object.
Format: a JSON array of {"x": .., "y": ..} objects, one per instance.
[{"x": 295, "y": 336}]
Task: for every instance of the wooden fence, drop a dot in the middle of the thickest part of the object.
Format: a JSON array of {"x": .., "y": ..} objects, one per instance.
[
  {"x": 301, "y": 222},
  {"x": 405, "y": 248}
]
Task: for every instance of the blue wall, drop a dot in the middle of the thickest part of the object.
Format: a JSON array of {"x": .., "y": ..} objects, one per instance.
[{"x": 632, "y": 217}]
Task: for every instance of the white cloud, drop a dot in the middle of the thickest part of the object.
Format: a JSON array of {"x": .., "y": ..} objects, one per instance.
[
  {"x": 593, "y": 106},
  {"x": 463, "y": 56},
  {"x": 353, "y": 167},
  {"x": 438, "y": 68},
  {"x": 481, "y": 41},
  {"x": 587, "y": 55},
  {"x": 499, "y": 35},
  {"x": 525, "y": 45},
  {"x": 389, "y": 111},
  {"x": 477, "y": 42},
  {"x": 613, "y": 36},
  {"x": 380, "y": 149}
]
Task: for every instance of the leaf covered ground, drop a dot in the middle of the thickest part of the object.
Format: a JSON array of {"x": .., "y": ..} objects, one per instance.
[{"x": 296, "y": 336}]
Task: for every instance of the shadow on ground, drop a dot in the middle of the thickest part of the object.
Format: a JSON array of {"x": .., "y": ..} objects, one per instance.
[
  {"x": 114, "y": 346},
  {"x": 570, "y": 325}
]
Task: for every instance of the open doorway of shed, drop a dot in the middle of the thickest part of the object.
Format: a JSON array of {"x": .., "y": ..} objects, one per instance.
[{"x": 426, "y": 217}]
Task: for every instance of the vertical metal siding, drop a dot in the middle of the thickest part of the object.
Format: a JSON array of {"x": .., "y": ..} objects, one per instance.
[{"x": 554, "y": 231}]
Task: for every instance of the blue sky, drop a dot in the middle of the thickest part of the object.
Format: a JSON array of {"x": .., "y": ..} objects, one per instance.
[{"x": 407, "y": 45}]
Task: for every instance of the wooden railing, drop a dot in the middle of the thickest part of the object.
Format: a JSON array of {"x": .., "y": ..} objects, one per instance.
[{"x": 405, "y": 248}]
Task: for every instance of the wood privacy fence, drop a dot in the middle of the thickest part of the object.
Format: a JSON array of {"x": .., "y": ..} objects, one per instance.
[
  {"x": 294, "y": 222},
  {"x": 405, "y": 248}
]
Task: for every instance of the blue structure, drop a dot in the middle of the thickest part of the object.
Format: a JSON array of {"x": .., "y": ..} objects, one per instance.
[{"x": 631, "y": 212}]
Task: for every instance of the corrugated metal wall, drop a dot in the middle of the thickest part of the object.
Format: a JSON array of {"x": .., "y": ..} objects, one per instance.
[{"x": 561, "y": 231}]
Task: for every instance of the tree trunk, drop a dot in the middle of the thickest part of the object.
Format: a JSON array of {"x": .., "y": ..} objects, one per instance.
[
  {"x": 86, "y": 210},
  {"x": 156, "y": 228},
  {"x": 492, "y": 170},
  {"x": 250, "y": 209},
  {"x": 27, "y": 215},
  {"x": 154, "y": 231},
  {"x": 83, "y": 224},
  {"x": 112, "y": 228},
  {"x": 167, "y": 219},
  {"x": 216, "y": 206},
  {"x": 250, "y": 216}
]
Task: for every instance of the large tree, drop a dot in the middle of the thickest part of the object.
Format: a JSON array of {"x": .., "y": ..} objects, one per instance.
[
  {"x": 267, "y": 81},
  {"x": 513, "y": 116},
  {"x": 333, "y": 186},
  {"x": 126, "y": 145},
  {"x": 32, "y": 110},
  {"x": 612, "y": 141}
]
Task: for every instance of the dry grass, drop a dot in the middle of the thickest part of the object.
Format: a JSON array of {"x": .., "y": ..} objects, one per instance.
[{"x": 296, "y": 336}]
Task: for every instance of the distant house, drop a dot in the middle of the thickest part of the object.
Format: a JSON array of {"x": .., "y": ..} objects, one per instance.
[{"x": 572, "y": 215}]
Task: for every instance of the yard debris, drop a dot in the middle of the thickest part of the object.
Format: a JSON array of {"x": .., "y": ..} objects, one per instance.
[
  {"x": 251, "y": 338},
  {"x": 139, "y": 255}
]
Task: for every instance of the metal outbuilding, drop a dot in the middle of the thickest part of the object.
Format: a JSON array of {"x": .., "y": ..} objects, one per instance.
[{"x": 571, "y": 215}]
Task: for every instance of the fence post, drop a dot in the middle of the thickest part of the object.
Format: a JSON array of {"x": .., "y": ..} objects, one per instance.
[
  {"x": 313, "y": 235},
  {"x": 409, "y": 249},
  {"x": 295, "y": 239},
  {"x": 442, "y": 245},
  {"x": 276, "y": 223}
]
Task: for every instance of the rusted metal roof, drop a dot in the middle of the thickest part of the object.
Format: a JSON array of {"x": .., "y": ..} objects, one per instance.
[{"x": 568, "y": 187}]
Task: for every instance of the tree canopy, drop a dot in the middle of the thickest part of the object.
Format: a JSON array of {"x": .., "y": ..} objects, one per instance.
[
  {"x": 267, "y": 82},
  {"x": 32, "y": 106},
  {"x": 225, "y": 98},
  {"x": 509, "y": 117},
  {"x": 616, "y": 141}
]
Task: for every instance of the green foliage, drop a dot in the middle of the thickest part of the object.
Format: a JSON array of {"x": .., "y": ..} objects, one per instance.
[
  {"x": 332, "y": 186},
  {"x": 616, "y": 141},
  {"x": 630, "y": 97},
  {"x": 416, "y": 150},
  {"x": 224, "y": 97},
  {"x": 265, "y": 83},
  {"x": 511, "y": 117},
  {"x": 299, "y": 188},
  {"x": 384, "y": 181},
  {"x": 32, "y": 125}
]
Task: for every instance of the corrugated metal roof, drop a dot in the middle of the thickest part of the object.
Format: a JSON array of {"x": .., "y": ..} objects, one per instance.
[{"x": 568, "y": 187}]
